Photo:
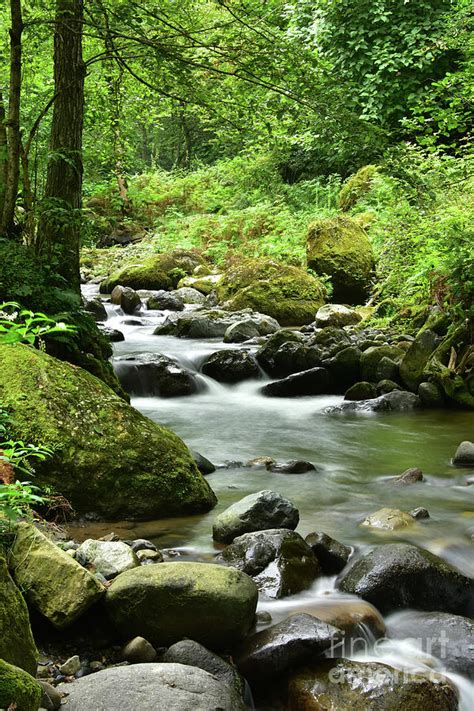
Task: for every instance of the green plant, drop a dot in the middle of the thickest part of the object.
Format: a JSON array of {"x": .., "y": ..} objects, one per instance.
[
  {"x": 16, "y": 499},
  {"x": 19, "y": 325}
]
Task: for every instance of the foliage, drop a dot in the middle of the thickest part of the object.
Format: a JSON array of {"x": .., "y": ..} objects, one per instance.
[
  {"x": 17, "y": 499},
  {"x": 19, "y": 325}
]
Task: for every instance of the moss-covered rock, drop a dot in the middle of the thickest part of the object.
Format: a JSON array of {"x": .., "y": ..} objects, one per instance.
[
  {"x": 108, "y": 458},
  {"x": 371, "y": 358},
  {"x": 284, "y": 292},
  {"x": 18, "y": 689},
  {"x": 54, "y": 583},
  {"x": 340, "y": 248},
  {"x": 356, "y": 186},
  {"x": 17, "y": 645},
  {"x": 203, "y": 284},
  {"x": 160, "y": 271}
]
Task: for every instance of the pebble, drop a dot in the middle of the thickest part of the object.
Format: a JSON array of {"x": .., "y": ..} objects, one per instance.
[
  {"x": 420, "y": 513},
  {"x": 71, "y": 666}
]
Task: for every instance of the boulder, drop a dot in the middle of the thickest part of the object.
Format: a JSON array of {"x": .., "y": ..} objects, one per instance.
[
  {"x": 112, "y": 334},
  {"x": 241, "y": 331},
  {"x": 95, "y": 306},
  {"x": 18, "y": 689},
  {"x": 336, "y": 315},
  {"x": 448, "y": 637},
  {"x": 331, "y": 554},
  {"x": 142, "y": 544},
  {"x": 279, "y": 561},
  {"x": 202, "y": 463},
  {"x": 139, "y": 651},
  {"x": 417, "y": 357},
  {"x": 387, "y": 519},
  {"x": 256, "y": 512},
  {"x": 285, "y": 353},
  {"x": 108, "y": 458},
  {"x": 361, "y": 391},
  {"x": 315, "y": 381},
  {"x": 354, "y": 616},
  {"x": 400, "y": 575},
  {"x": 387, "y": 386},
  {"x": 51, "y": 698},
  {"x": 287, "y": 293},
  {"x": 17, "y": 645},
  {"x": 410, "y": 476},
  {"x": 356, "y": 187},
  {"x": 109, "y": 558},
  {"x": 464, "y": 456},
  {"x": 330, "y": 340},
  {"x": 165, "y": 301},
  {"x": 204, "y": 284},
  {"x": 229, "y": 366},
  {"x": 344, "y": 368},
  {"x": 188, "y": 295},
  {"x": 339, "y": 248},
  {"x": 196, "y": 324},
  {"x": 277, "y": 649},
  {"x": 420, "y": 513},
  {"x": 431, "y": 395},
  {"x": 395, "y": 401},
  {"x": 129, "y": 300},
  {"x": 154, "y": 374},
  {"x": 149, "y": 687},
  {"x": 266, "y": 355},
  {"x": 165, "y": 603},
  {"x": 159, "y": 271},
  {"x": 371, "y": 358},
  {"x": 342, "y": 684},
  {"x": 387, "y": 369},
  {"x": 57, "y": 586},
  {"x": 295, "y": 466}
]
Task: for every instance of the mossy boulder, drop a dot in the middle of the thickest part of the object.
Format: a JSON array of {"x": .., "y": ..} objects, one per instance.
[
  {"x": 165, "y": 603},
  {"x": 204, "y": 284},
  {"x": 18, "y": 689},
  {"x": 356, "y": 186},
  {"x": 340, "y": 248},
  {"x": 160, "y": 271},
  {"x": 286, "y": 293},
  {"x": 372, "y": 357},
  {"x": 107, "y": 457},
  {"x": 17, "y": 645}
]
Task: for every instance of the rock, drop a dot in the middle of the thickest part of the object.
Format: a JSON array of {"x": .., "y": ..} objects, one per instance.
[
  {"x": 277, "y": 649},
  {"x": 387, "y": 369},
  {"x": 331, "y": 554},
  {"x": 188, "y": 295},
  {"x": 95, "y": 306},
  {"x": 98, "y": 441},
  {"x": 51, "y": 699},
  {"x": 344, "y": 368},
  {"x": 286, "y": 293},
  {"x": 165, "y": 301},
  {"x": 109, "y": 558},
  {"x": 297, "y": 466},
  {"x": 339, "y": 248},
  {"x": 159, "y": 271},
  {"x": 149, "y": 687},
  {"x": 282, "y": 356},
  {"x": 279, "y": 561},
  {"x": 420, "y": 513},
  {"x": 261, "y": 463},
  {"x": 228, "y": 366},
  {"x": 196, "y": 324},
  {"x": 448, "y": 637},
  {"x": 139, "y": 651},
  {"x": 388, "y": 520},
  {"x": 361, "y": 391},
  {"x": 17, "y": 645},
  {"x": 417, "y": 357},
  {"x": 356, "y": 187},
  {"x": 194, "y": 654},
  {"x": 113, "y": 335},
  {"x": 315, "y": 381},
  {"x": 53, "y": 582},
  {"x": 147, "y": 556},
  {"x": 154, "y": 374},
  {"x": 164, "y": 603},
  {"x": 371, "y": 358},
  {"x": 386, "y": 386},
  {"x": 410, "y": 476},
  {"x": 336, "y": 315},
  {"x": 401, "y": 575},
  {"x": 331, "y": 340},
  {"x": 267, "y": 354},
  {"x": 343, "y": 684},
  {"x": 129, "y": 300},
  {"x": 256, "y": 512},
  {"x": 241, "y": 331},
  {"x": 204, "y": 284},
  {"x": 431, "y": 395},
  {"x": 464, "y": 456},
  {"x": 18, "y": 689},
  {"x": 396, "y": 401},
  {"x": 142, "y": 544},
  {"x": 71, "y": 666},
  {"x": 203, "y": 464},
  {"x": 354, "y": 617}
]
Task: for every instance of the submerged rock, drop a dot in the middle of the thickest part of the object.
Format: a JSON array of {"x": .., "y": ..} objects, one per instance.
[
  {"x": 256, "y": 512},
  {"x": 17, "y": 645},
  {"x": 296, "y": 466},
  {"x": 410, "y": 476},
  {"x": 228, "y": 366}
]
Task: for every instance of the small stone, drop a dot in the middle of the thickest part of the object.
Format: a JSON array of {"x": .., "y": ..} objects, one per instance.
[
  {"x": 138, "y": 651},
  {"x": 410, "y": 476},
  {"x": 146, "y": 556},
  {"x": 141, "y": 544},
  {"x": 261, "y": 462},
  {"x": 71, "y": 666},
  {"x": 293, "y": 467},
  {"x": 464, "y": 456},
  {"x": 109, "y": 537},
  {"x": 51, "y": 699},
  {"x": 420, "y": 513},
  {"x": 263, "y": 617},
  {"x": 44, "y": 671},
  {"x": 96, "y": 666}
]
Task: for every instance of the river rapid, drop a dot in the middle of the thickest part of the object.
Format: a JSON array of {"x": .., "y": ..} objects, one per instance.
[{"x": 355, "y": 457}]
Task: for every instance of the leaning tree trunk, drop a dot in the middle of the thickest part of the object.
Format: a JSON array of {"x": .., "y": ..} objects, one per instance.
[
  {"x": 59, "y": 231},
  {"x": 13, "y": 121}
]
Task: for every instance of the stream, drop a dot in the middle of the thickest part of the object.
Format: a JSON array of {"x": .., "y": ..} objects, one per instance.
[{"x": 354, "y": 455}]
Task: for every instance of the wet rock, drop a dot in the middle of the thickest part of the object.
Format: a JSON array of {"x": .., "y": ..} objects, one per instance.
[
  {"x": 277, "y": 649},
  {"x": 420, "y": 513},
  {"x": 241, "y": 332},
  {"x": 18, "y": 689},
  {"x": 410, "y": 476},
  {"x": 464, "y": 456},
  {"x": 17, "y": 645},
  {"x": 267, "y": 354},
  {"x": 146, "y": 556},
  {"x": 127, "y": 298},
  {"x": 203, "y": 464},
  {"x": 228, "y": 366},
  {"x": 431, "y": 395},
  {"x": 109, "y": 558},
  {"x": 331, "y": 554},
  {"x": 196, "y": 324},
  {"x": 448, "y": 637},
  {"x": 51, "y": 699},
  {"x": 297, "y": 466},
  {"x": 388, "y": 520},
  {"x": 256, "y": 512},
  {"x": 154, "y": 374},
  {"x": 165, "y": 603},
  {"x": 331, "y": 340},
  {"x": 138, "y": 651},
  {"x": 261, "y": 463},
  {"x": 279, "y": 561},
  {"x": 387, "y": 369},
  {"x": 95, "y": 306},
  {"x": 165, "y": 301},
  {"x": 361, "y": 391},
  {"x": 343, "y": 684},
  {"x": 353, "y": 616},
  {"x": 396, "y": 401},
  {"x": 149, "y": 687},
  {"x": 371, "y": 358},
  {"x": 387, "y": 386},
  {"x": 401, "y": 575},
  {"x": 336, "y": 315},
  {"x": 142, "y": 544},
  {"x": 344, "y": 367},
  {"x": 416, "y": 358},
  {"x": 315, "y": 381},
  {"x": 71, "y": 666},
  {"x": 113, "y": 334},
  {"x": 188, "y": 295}
]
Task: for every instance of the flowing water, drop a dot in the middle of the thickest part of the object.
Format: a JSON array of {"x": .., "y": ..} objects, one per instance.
[{"x": 355, "y": 456}]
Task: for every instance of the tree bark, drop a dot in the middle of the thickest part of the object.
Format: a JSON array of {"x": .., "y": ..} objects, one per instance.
[
  {"x": 13, "y": 121},
  {"x": 3, "y": 155},
  {"x": 60, "y": 224}
]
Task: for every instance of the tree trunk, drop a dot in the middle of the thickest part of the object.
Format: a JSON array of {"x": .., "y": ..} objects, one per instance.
[
  {"x": 115, "y": 91},
  {"x": 59, "y": 231},
  {"x": 3, "y": 155},
  {"x": 13, "y": 122}
]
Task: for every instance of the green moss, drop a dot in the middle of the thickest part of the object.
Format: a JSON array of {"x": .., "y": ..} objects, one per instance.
[
  {"x": 284, "y": 292},
  {"x": 108, "y": 458},
  {"x": 340, "y": 248},
  {"x": 18, "y": 689},
  {"x": 356, "y": 187},
  {"x": 17, "y": 645}
]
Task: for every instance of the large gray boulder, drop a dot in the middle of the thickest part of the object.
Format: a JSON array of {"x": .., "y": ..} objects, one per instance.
[
  {"x": 256, "y": 512},
  {"x": 400, "y": 575},
  {"x": 151, "y": 687},
  {"x": 464, "y": 456},
  {"x": 110, "y": 558}
]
